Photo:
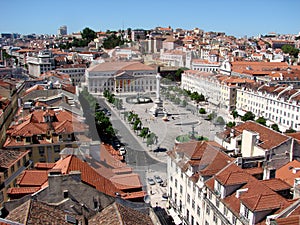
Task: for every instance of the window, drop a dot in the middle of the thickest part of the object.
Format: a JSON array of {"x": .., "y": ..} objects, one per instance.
[
  {"x": 198, "y": 210},
  {"x": 233, "y": 220},
  {"x": 175, "y": 182},
  {"x": 171, "y": 192},
  {"x": 41, "y": 150},
  {"x": 246, "y": 212},
  {"x": 225, "y": 211},
  {"x": 28, "y": 139},
  {"x": 12, "y": 169},
  {"x": 188, "y": 198},
  {"x": 217, "y": 203},
  {"x": 193, "y": 204},
  {"x": 180, "y": 205},
  {"x": 209, "y": 195},
  {"x": 180, "y": 189},
  {"x": 215, "y": 218},
  {"x": 207, "y": 210},
  {"x": 56, "y": 148},
  {"x": 19, "y": 163},
  {"x": 171, "y": 178},
  {"x": 187, "y": 215}
]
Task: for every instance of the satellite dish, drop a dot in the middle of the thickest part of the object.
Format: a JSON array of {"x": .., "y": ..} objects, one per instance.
[{"x": 147, "y": 199}]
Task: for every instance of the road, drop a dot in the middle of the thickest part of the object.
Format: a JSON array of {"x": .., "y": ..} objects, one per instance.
[{"x": 136, "y": 156}]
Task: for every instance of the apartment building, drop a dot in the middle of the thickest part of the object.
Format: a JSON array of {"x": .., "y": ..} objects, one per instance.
[
  {"x": 76, "y": 72},
  {"x": 44, "y": 132},
  {"x": 8, "y": 106},
  {"x": 234, "y": 196},
  {"x": 12, "y": 164},
  {"x": 121, "y": 77},
  {"x": 279, "y": 104},
  {"x": 189, "y": 165},
  {"x": 218, "y": 89},
  {"x": 253, "y": 140},
  {"x": 40, "y": 63},
  {"x": 205, "y": 65},
  {"x": 205, "y": 83}
]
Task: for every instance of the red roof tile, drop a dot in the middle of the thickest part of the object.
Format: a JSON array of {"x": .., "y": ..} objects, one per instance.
[
  {"x": 289, "y": 172},
  {"x": 32, "y": 178}
]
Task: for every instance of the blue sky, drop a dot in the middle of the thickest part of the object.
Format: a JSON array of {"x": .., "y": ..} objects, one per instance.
[{"x": 234, "y": 17}]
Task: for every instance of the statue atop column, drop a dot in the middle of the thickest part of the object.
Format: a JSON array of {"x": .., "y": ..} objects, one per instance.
[{"x": 158, "y": 103}]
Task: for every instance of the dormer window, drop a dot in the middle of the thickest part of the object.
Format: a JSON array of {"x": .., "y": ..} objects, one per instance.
[
  {"x": 18, "y": 139},
  {"x": 28, "y": 139}
]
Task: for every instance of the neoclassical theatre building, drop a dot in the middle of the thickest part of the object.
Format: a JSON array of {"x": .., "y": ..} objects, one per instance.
[{"x": 121, "y": 77}]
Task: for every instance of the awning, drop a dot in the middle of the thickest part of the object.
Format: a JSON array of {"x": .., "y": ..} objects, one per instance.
[{"x": 175, "y": 217}]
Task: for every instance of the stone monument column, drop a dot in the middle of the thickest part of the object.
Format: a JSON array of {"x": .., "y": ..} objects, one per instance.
[{"x": 158, "y": 103}]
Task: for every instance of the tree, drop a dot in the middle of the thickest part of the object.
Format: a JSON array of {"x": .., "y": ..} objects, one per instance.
[
  {"x": 290, "y": 130},
  {"x": 248, "y": 116},
  {"x": 275, "y": 127},
  {"x": 112, "y": 41},
  {"x": 144, "y": 132},
  {"x": 137, "y": 124},
  {"x": 202, "y": 111},
  {"x": 88, "y": 34},
  {"x": 151, "y": 139},
  {"x": 235, "y": 114},
  {"x": 230, "y": 124},
  {"x": 261, "y": 120},
  {"x": 288, "y": 49},
  {"x": 220, "y": 120}
]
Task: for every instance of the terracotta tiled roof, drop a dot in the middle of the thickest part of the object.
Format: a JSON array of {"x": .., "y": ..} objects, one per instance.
[
  {"x": 289, "y": 172},
  {"x": 204, "y": 155},
  {"x": 43, "y": 166},
  {"x": 291, "y": 220},
  {"x": 126, "y": 181},
  {"x": 32, "y": 178},
  {"x": 119, "y": 66},
  {"x": 296, "y": 136},
  {"x": 89, "y": 175},
  {"x": 257, "y": 195},
  {"x": 10, "y": 157},
  {"x": 268, "y": 137},
  {"x": 254, "y": 170},
  {"x": 232, "y": 175},
  {"x": 108, "y": 215},
  {"x": 132, "y": 217},
  {"x": 276, "y": 184},
  {"x": 22, "y": 190},
  {"x": 262, "y": 202},
  {"x": 35, "y": 212}
]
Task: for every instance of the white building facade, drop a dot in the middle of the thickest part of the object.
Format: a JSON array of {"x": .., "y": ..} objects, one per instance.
[
  {"x": 121, "y": 77},
  {"x": 278, "y": 104},
  {"x": 40, "y": 63}
]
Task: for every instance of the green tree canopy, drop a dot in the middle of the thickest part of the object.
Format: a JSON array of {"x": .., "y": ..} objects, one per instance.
[
  {"x": 261, "y": 120},
  {"x": 275, "y": 127},
  {"x": 202, "y": 111},
  {"x": 248, "y": 116},
  {"x": 88, "y": 34},
  {"x": 230, "y": 124},
  {"x": 292, "y": 51},
  {"x": 112, "y": 41}
]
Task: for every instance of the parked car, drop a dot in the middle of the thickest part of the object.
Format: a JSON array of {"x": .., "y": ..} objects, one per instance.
[
  {"x": 158, "y": 179},
  {"x": 151, "y": 181}
]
